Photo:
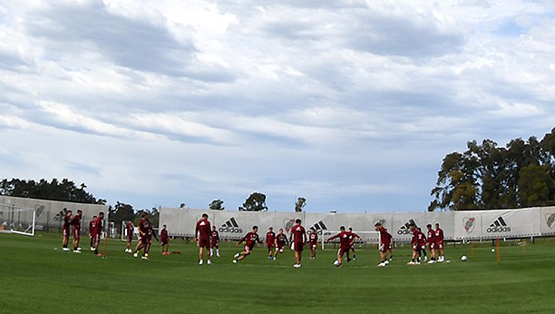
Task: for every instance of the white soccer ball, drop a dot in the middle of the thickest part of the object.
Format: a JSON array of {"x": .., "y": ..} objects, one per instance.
[
  {"x": 336, "y": 263},
  {"x": 493, "y": 250},
  {"x": 463, "y": 258}
]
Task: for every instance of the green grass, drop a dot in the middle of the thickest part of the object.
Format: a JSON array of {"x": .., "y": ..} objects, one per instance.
[{"x": 36, "y": 278}]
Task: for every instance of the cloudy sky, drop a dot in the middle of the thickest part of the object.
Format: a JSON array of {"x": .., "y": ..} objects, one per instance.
[{"x": 351, "y": 104}]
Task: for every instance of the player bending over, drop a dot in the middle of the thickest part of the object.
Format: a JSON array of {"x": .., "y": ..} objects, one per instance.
[
  {"x": 298, "y": 238},
  {"x": 352, "y": 236},
  {"x": 98, "y": 227},
  {"x": 415, "y": 246},
  {"x": 431, "y": 243},
  {"x": 214, "y": 242},
  {"x": 281, "y": 242},
  {"x": 76, "y": 223},
  {"x": 250, "y": 240},
  {"x": 313, "y": 242},
  {"x": 129, "y": 228},
  {"x": 202, "y": 236},
  {"x": 144, "y": 226},
  {"x": 91, "y": 228},
  {"x": 65, "y": 230},
  {"x": 439, "y": 243},
  {"x": 345, "y": 243},
  {"x": 385, "y": 242},
  {"x": 270, "y": 242}
]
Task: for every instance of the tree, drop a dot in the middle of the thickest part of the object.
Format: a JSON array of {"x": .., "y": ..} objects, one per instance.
[
  {"x": 216, "y": 205},
  {"x": 300, "y": 204},
  {"x": 65, "y": 190},
  {"x": 121, "y": 212},
  {"x": 536, "y": 186},
  {"x": 256, "y": 202}
]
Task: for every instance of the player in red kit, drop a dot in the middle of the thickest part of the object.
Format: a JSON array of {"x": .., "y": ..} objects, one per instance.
[
  {"x": 92, "y": 226},
  {"x": 431, "y": 243},
  {"x": 352, "y": 236},
  {"x": 270, "y": 242},
  {"x": 144, "y": 226},
  {"x": 250, "y": 240},
  {"x": 129, "y": 228},
  {"x": 439, "y": 243},
  {"x": 313, "y": 242},
  {"x": 76, "y": 224},
  {"x": 281, "y": 242},
  {"x": 422, "y": 245},
  {"x": 65, "y": 230},
  {"x": 98, "y": 227},
  {"x": 202, "y": 236},
  {"x": 298, "y": 238},
  {"x": 164, "y": 241},
  {"x": 214, "y": 242},
  {"x": 345, "y": 243},
  {"x": 414, "y": 244},
  {"x": 385, "y": 241}
]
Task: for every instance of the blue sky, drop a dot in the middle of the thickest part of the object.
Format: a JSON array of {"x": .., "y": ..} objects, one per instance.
[{"x": 351, "y": 104}]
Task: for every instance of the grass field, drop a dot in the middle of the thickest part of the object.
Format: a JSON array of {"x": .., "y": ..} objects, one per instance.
[{"x": 36, "y": 278}]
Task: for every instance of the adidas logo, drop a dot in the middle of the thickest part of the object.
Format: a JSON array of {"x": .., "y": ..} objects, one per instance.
[
  {"x": 405, "y": 228},
  {"x": 499, "y": 225},
  {"x": 231, "y": 226},
  {"x": 320, "y": 226}
]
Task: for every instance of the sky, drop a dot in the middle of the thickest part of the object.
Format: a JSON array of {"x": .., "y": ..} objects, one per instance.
[{"x": 350, "y": 104}]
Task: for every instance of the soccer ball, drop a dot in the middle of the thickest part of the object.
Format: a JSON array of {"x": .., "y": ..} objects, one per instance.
[
  {"x": 463, "y": 258},
  {"x": 336, "y": 263},
  {"x": 493, "y": 250}
]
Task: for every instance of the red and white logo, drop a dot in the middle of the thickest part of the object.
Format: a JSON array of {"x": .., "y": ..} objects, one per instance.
[{"x": 469, "y": 224}]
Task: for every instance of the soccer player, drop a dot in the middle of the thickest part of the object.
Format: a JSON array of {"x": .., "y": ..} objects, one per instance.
[
  {"x": 92, "y": 226},
  {"x": 298, "y": 237},
  {"x": 431, "y": 243},
  {"x": 98, "y": 227},
  {"x": 150, "y": 233},
  {"x": 76, "y": 223},
  {"x": 144, "y": 226},
  {"x": 352, "y": 236},
  {"x": 422, "y": 244},
  {"x": 385, "y": 242},
  {"x": 270, "y": 242},
  {"x": 439, "y": 243},
  {"x": 214, "y": 242},
  {"x": 250, "y": 240},
  {"x": 345, "y": 243},
  {"x": 415, "y": 247},
  {"x": 65, "y": 230},
  {"x": 129, "y": 228},
  {"x": 281, "y": 242},
  {"x": 164, "y": 241},
  {"x": 390, "y": 245},
  {"x": 202, "y": 236},
  {"x": 313, "y": 242}
]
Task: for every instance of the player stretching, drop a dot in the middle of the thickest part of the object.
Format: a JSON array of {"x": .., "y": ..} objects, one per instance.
[
  {"x": 313, "y": 242},
  {"x": 92, "y": 225},
  {"x": 144, "y": 226},
  {"x": 164, "y": 241},
  {"x": 65, "y": 230},
  {"x": 214, "y": 242},
  {"x": 281, "y": 242},
  {"x": 431, "y": 243},
  {"x": 414, "y": 245},
  {"x": 202, "y": 236},
  {"x": 298, "y": 237},
  {"x": 76, "y": 223},
  {"x": 439, "y": 244},
  {"x": 345, "y": 244},
  {"x": 98, "y": 227},
  {"x": 129, "y": 228},
  {"x": 352, "y": 236},
  {"x": 385, "y": 242},
  {"x": 270, "y": 242},
  {"x": 250, "y": 240}
]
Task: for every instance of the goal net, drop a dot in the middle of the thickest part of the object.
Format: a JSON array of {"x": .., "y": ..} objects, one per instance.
[
  {"x": 368, "y": 239},
  {"x": 17, "y": 220},
  {"x": 124, "y": 231}
]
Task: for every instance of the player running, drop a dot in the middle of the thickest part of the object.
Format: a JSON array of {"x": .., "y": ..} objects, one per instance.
[
  {"x": 250, "y": 240},
  {"x": 298, "y": 238},
  {"x": 164, "y": 241},
  {"x": 270, "y": 242},
  {"x": 431, "y": 243},
  {"x": 91, "y": 234},
  {"x": 214, "y": 242},
  {"x": 281, "y": 242},
  {"x": 144, "y": 227},
  {"x": 385, "y": 242},
  {"x": 345, "y": 243},
  {"x": 98, "y": 227},
  {"x": 202, "y": 236},
  {"x": 76, "y": 223},
  {"x": 65, "y": 230},
  {"x": 352, "y": 236},
  {"x": 313, "y": 242},
  {"x": 439, "y": 243},
  {"x": 129, "y": 228},
  {"x": 414, "y": 244}
]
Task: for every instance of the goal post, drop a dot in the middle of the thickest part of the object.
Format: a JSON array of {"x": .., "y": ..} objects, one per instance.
[
  {"x": 18, "y": 220},
  {"x": 368, "y": 239}
]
